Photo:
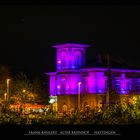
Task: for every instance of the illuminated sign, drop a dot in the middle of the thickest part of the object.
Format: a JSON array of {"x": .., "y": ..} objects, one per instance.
[{"x": 52, "y": 99}]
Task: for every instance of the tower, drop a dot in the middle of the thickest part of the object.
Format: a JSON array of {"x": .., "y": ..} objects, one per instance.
[{"x": 70, "y": 56}]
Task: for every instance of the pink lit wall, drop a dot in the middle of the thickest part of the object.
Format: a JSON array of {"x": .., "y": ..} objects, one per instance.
[
  {"x": 96, "y": 82},
  {"x": 68, "y": 83}
]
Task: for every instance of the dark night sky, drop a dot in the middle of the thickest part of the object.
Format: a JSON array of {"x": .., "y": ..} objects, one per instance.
[{"x": 28, "y": 32}]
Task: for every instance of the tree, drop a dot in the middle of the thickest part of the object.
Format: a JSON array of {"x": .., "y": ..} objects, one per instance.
[
  {"x": 37, "y": 85},
  {"x": 22, "y": 90}
]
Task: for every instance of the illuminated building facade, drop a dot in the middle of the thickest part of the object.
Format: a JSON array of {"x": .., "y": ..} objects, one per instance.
[{"x": 71, "y": 69}]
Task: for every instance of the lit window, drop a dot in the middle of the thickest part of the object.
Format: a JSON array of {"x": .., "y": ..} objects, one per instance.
[
  {"x": 138, "y": 85},
  {"x": 85, "y": 83},
  {"x": 77, "y": 58},
  {"x": 62, "y": 86},
  {"x": 63, "y": 59},
  {"x": 128, "y": 85},
  {"x": 117, "y": 85}
]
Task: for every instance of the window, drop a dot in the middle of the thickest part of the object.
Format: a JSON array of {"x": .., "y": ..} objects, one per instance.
[
  {"x": 85, "y": 83},
  {"x": 62, "y": 86},
  {"x": 117, "y": 85},
  {"x": 77, "y": 61},
  {"x": 63, "y": 63},
  {"x": 138, "y": 85},
  {"x": 77, "y": 58},
  {"x": 128, "y": 85},
  {"x": 63, "y": 59}
]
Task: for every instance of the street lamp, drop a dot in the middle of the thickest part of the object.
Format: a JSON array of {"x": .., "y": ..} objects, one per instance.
[
  {"x": 79, "y": 83},
  {"x": 8, "y": 80},
  {"x": 24, "y": 90},
  {"x": 5, "y": 96}
]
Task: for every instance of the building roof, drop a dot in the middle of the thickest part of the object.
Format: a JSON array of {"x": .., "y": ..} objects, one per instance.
[
  {"x": 102, "y": 63},
  {"x": 76, "y": 45}
]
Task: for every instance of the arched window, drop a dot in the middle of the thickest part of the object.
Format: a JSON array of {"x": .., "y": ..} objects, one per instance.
[
  {"x": 62, "y": 86},
  {"x": 77, "y": 58},
  {"x": 117, "y": 85},
  {"x": 63, "y": 59},
  {"x": 138, "y": 85},
  {"x": 128, "y": 85}
]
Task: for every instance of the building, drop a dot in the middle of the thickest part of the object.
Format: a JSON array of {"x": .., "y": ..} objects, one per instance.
[{"x": 78, "y": 85}]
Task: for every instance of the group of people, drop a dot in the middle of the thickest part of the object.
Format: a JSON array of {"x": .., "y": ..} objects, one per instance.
[
  {"x": 28, "y": 110},
  {"x": 67, "y": 111}
]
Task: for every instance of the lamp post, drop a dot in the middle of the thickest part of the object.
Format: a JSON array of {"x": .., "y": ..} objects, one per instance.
[
  {"x": 8, "y": 80},
  {"x": 108, "y": 88},
  {"x": 79, "y": 83},
  {"x": 5, "y": 96},
  {"x": 24, "y": 90}
]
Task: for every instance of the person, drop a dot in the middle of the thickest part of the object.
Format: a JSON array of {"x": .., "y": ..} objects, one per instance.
[{"x": 64, "y": 109}]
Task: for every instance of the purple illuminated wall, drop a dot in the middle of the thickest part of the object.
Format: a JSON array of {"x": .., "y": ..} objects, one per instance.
[{"x": 96, "y": 82}]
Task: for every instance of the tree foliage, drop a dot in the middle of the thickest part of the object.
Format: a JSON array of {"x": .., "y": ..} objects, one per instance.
[{"x": 22, "y": 89}]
